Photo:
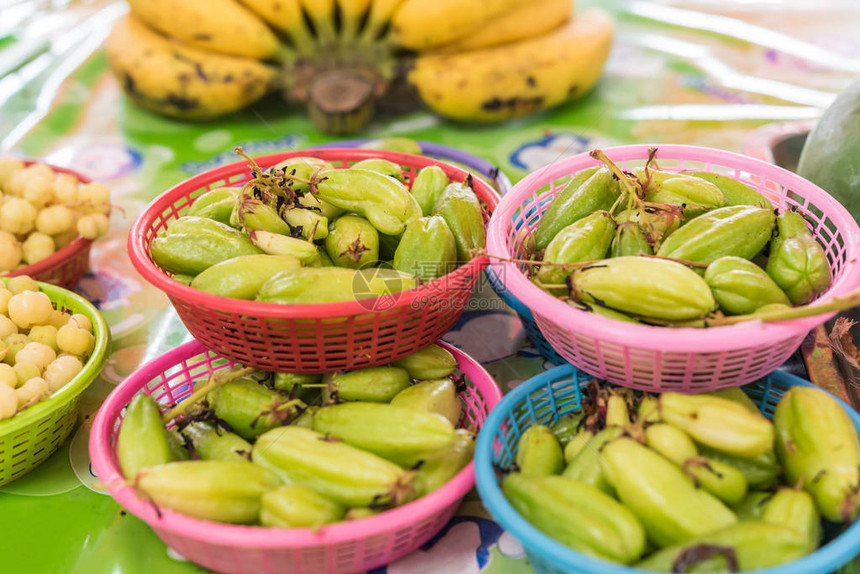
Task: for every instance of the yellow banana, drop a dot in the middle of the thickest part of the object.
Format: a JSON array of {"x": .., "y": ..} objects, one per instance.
[
  {"x": 321, "y": 13},
  {"x": 286, "y": 16},
  {"x": 218, "y": 25},
  {"x": 516, "y": 79},
  {"x": 380, "y": 15},
  {"x": 423, "y": 24},
  {"x": 172, "y": 79},
  {"x": 351, "y": 14},
  {"x": 530, "y": 19}
]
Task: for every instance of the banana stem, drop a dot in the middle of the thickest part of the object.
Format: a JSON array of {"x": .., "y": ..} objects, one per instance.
[{"x": 215, "y": 380}]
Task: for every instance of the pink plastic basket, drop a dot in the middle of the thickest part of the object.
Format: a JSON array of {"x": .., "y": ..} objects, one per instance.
[
  {"x": 657, "y": 358},
  {"x": 343, "y": 547},
  {"x": 313, "y": 338}
]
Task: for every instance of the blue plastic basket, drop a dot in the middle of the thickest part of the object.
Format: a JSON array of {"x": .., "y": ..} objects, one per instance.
[
  {"x": 526, "y": 318},
  {"x": 546, "y": 397}
]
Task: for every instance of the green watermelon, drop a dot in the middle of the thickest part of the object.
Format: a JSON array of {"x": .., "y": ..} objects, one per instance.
[{"x": 831, "y": 155}]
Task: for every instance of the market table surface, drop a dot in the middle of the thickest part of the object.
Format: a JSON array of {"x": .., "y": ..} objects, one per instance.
[{"x": 698, "y": 72}]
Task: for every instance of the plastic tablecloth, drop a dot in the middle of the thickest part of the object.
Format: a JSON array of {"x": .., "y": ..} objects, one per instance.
[{"x": 705, "y": 72}]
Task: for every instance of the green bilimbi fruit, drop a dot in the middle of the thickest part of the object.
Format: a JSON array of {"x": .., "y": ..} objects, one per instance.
[
  {"x": 629, "y": 240},
  {"x": 741, "y": 287},
  {"x": 648, "y": 410},
  {"x": 617, "y": 414},
  {"x": 383, "y": 201},
  {"x": 433, "y": 396},
  {"x": 722, "y": 480},
  {"x": 459, "y": 207},
  {"x": 795, "y": 509},
  {"x": 177, "y": 445},
  {"x": 242, "y": 277},
  {"x": 382, "y": 166},
  {"x": 307, "y": 223},
  {"x": 577, "y": 515},
  {"x": 645, "y": 287},
  {"x": 196, "y": 225},
  {"x": 212, "y": 443},
  {"x": 751, "y": 507},
  {"x": 217, "y": 490},
  {"x": 740, "y": 547},
  {"x": 538, "y": 452},
  {"x": 431, "y": 362},
  {"x": 277, "y": 244},
  {"x": 402, "y": 435},
  {"x": 719, "y": 423},
  {"x": 671, "y": 442},
  {"x": 181, "y": 278},
  {"x": 294, "y": 506},
  {"x": 285, "y": 382},
  {"x": 797, "y": 262},
  {"x": 602, "y": 311},
  {"x": 348, "y": 475},
  {"x": 588, "y": 239},
  {"x": 315, "y": 204},
  {"x": 738, "y": 230},
  {"x": 816, "y": 442},
  {"x": 737, "y": 395},
  {"x": 251, "y": 213},
  {"x": 694, "y": 194},
  {"x": 655, "y": 225},
  {"x": 302, "y": 168},
  {"x": 429, "y": 184},
  {"x": 760, "y": 471},
  {"x": 215, "y": 204},
  {"x": 306, "y": 419},
  {"x": 734, "y": 192},
  {"x": 438, "y": 467},
  {"x": 590, "y": 190},
  {"x": 249, "y": 407},
  {"x": 352, "y": 242},
  {"x": 644, "y": 481},
  {"x": 427, "y": 249},
  {"x": 332, "y": 284},
  {"x": 374, "y": 384},
  {"x": 192, "y": 253},
  {"x": 142, "y": 440},
  {"x": 567, "y": 427},
  {"x": 577, "y": 444},
  {"x": 585, "y": 466}
]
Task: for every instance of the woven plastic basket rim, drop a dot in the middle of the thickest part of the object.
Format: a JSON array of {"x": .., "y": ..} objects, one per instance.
[
  {"x": 443, "y": 152},
  {"x": 61, "y": 255},
  {"x": 258, "y": 536},
  {"x": 825, "y": 559},
  {"x": 83, "y": 379},
  {"x": 142, "y": 261},
  {"x": 654, "y": 338}
]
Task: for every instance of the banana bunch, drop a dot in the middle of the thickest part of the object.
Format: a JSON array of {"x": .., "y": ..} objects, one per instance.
[{"x": 472, "y": 60}]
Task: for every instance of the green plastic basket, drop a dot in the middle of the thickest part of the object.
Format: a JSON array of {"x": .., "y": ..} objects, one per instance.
[{"x": 32, "y": 435}]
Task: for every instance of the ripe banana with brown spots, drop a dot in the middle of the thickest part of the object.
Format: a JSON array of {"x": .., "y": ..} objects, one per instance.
[
  {"x": 519, "y": 78},
  {"x": 173, "y": 79},
  {"x": 222, "y": 26},
  {"x": 529, "y": 19},
  {"x": 425, "y": 24}
]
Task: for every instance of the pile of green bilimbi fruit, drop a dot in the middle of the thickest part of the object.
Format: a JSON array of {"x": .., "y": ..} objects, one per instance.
[
  {"x": 297, "y": 232},
  {"x": 287, "y": 450},
  {"x": 690, "y": 483},
  {"x": 675, "y": 248}
]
